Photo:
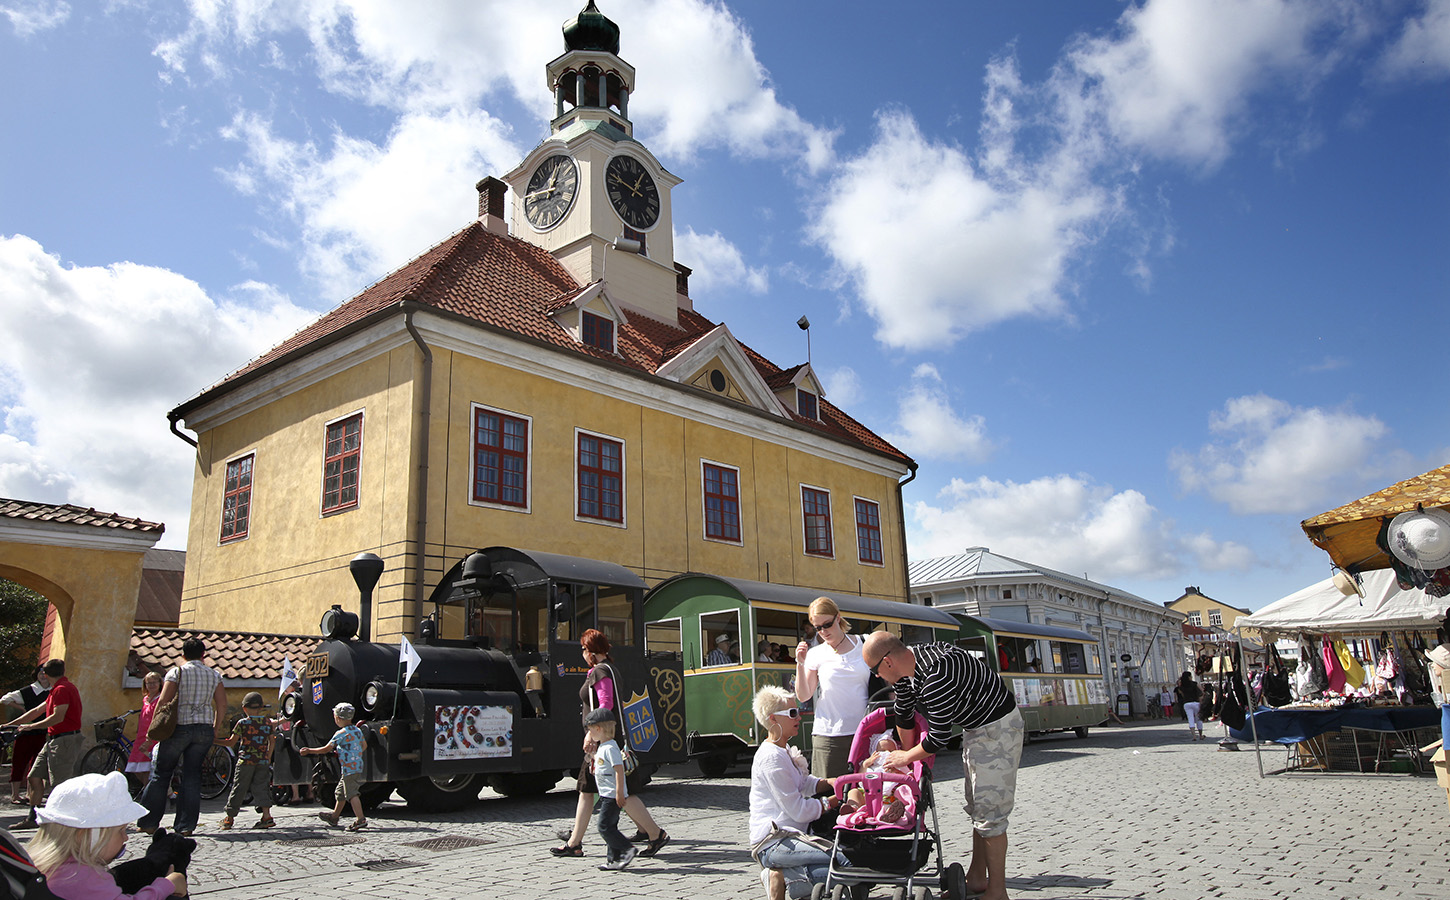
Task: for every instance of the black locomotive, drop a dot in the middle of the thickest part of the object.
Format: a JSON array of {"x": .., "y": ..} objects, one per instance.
[{"x": 492, "y": 697}]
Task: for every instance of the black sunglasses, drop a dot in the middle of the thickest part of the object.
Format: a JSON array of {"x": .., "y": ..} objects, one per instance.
[{"x": 878, "y": 664}]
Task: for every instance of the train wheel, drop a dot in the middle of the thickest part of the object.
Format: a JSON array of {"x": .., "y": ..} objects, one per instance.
[
  {"x": 714, "y": 765},
  {"x": 441, "y": 794},
  {"x": 1080, "y": 731},
  {"x": 524, "y": 784}
]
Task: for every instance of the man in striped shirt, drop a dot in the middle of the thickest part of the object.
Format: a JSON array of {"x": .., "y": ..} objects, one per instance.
[{"x": 949, "y": 686}]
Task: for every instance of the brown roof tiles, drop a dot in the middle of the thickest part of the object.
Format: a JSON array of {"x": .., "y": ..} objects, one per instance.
[
  {"x": 67, "y": 514},
  {"x": 236, "y": 655}
]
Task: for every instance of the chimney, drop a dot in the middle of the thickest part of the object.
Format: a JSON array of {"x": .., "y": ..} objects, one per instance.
[
  {"x": 490, "y": 205},
  {"x": 682, "y": 287}
]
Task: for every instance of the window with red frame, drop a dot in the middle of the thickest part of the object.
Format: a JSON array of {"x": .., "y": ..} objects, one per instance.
[
  {"x": 868, "y": 531},
  {"x": 722, "y": 503},
  {"x": 237, "y": 498},
  {"x": 341, "y": 459},
  {"x": 601, "y": 478},
  {"x": 805, "y": 404},
  {"x": 500, "y": 458},
  {"x": 816, "y": 506},
  {"x": 598, "y": 332}
]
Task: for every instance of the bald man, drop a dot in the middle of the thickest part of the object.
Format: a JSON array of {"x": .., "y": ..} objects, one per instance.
[{"x": 949, "y": 686}]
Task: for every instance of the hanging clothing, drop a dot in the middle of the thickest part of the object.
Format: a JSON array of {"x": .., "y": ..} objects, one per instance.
[
  {"x": 1353, "y": 671},
  {"x": 1332, "y": 667}
]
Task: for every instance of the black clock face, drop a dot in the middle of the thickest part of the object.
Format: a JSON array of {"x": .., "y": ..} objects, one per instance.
[
  {"x": 551, "y": 191},
  {"x": 632, "y": 191}
]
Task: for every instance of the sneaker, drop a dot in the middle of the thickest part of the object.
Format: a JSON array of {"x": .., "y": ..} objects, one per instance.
[
  {"x": 29, "y": 821},
  {"x": 625, "y": 859},
  {"x": 225, "y": 824}
]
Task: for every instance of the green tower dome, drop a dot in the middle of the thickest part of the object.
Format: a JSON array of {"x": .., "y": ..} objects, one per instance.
[{"x": 590, "y": 30}]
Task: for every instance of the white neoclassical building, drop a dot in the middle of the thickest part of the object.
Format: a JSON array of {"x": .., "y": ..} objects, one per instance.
[{"x": 1141, "y": 642}]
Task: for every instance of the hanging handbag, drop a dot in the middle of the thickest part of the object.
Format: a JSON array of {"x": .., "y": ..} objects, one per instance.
[
  {"x": 163, "y": 720},
  {"x": 1230, "y": 708},
  {"x": 1276, "y": 680}
]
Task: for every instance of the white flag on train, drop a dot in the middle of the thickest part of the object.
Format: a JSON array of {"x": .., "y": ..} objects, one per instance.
[
  {"x": 289, "y": 676},
  {"x": 411, "y": 660}
]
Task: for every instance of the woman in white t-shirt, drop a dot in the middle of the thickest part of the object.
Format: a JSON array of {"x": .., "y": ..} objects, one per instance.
[{"x": 835, "y": 674}]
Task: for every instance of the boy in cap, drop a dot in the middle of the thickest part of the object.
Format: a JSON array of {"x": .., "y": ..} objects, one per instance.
[
  {"x": 348, "y": 743},
  {"x": 609, "y": 775},
  {"x": 252, "y": 739}
]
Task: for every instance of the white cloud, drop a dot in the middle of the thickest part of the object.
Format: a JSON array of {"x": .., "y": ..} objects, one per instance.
[
  {"x": 1271, "y": 457},
  {"x": 30, "y": 17},
  {"x": 700, "y": 83},
  {"x": 93, "y": 358},
  {"x": 364, "y": 209},
  {"x": 716, "y": 264},
  {"x": 1423, "y": 48},
  {"x": 1067, "y": 523},
  {"x": 928, "y": 427},
  {"x": 842, "y": 386},
  {"x": 1000, "y": 240}
]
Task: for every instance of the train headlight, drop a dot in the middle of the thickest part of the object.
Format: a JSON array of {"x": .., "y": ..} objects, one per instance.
[
  {"x": 370, "y": 696},
  {"x": 289, "y": 706},
  {"x": 338, "y": 624}
]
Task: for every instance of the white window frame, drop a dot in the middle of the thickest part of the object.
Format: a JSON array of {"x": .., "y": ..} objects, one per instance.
[
  {"x": 739, "y": 505},
  {"x": 473, "y": 500},
  {"x": 623, "y": 482},
  {"x": 322, "y": 487},
  {"x": 700, "y": 629},
  {"x": 831, "y": 519}
]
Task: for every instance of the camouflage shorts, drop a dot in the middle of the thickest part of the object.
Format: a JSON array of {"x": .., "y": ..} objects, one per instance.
[{"x": 990, "y": 755}]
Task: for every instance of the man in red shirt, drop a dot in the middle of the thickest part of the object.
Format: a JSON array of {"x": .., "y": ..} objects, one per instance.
[{"x": 63, "y": 743}]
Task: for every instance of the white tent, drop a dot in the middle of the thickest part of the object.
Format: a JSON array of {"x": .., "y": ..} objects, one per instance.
[{"x": 1322, "y": 608}]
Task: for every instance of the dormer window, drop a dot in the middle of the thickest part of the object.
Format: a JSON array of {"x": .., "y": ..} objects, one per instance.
[
  {"x": 598, "y": 332},
  {"x": 805, "y": 404}
]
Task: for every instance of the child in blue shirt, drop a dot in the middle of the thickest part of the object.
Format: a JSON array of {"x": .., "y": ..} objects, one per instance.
[
  {"x": 348, "y": 743},
  {"x": 609, "y": 775}
]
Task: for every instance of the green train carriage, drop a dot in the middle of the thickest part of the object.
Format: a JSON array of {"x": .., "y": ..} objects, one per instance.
[{"x": 685, "y": 614}]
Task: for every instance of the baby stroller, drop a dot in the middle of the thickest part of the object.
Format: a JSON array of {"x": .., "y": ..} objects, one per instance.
[{"x": 895, "y": 852}]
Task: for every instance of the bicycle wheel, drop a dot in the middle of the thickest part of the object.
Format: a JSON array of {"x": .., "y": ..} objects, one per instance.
[
  {"x": 103, "y": 759},
  {"x": 216, "y": 772}
]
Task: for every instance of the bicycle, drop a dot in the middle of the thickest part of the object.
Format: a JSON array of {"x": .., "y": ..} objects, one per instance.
[{"x": 113, "y": 749}]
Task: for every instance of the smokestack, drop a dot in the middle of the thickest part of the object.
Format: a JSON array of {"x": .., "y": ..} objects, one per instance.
[{"x": 366, "y": 569}]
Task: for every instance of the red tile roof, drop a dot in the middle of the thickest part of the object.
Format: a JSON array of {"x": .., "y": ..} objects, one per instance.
[
  {"x": 66, "y": 514},
  {"x": 509, "y": 284},
  {"x": 235, "y": 654}
]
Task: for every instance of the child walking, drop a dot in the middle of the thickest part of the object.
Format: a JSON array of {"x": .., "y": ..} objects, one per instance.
[
  {"x": 609, "y": 775},
  {"x": 82, "y": 830},
  {"x": 252, "y": 737},
  {"x": 347, "y": 742}
]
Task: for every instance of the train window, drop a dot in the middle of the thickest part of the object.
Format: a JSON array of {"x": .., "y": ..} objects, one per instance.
[
  {"x": 492, "y": 617},
  {"x": 720, "y": 638},
  {"x": 616, "y": 615},
  {"x": 1094, "y": 664},
  {"x": 533, "y": 606},
  {"x": 662, "y": 639},
  {"x": 1015, "y": 654},
  {"x": 977, "y": 646},
  {"x": 776, "y": 635},
  {"x": 1070, "y": 657}
]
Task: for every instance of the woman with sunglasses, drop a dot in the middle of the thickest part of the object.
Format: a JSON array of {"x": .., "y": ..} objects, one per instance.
[
  {"x": 785, "y": 799},
  {"x": 835, "y": 674}
]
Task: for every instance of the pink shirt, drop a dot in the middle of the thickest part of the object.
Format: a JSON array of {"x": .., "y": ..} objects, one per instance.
[{"x": 73, "y": 881}]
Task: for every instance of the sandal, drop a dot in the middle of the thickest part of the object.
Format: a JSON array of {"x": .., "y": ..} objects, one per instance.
[
  {"x": 359, "y": 825},
  {"x": 329, "y": 818},
  {"x": 225, "y": 824},
  {"x": 656, "y": 844},
  {"x": 568, "y": 850},
  {"x": 266, "y": 822}
]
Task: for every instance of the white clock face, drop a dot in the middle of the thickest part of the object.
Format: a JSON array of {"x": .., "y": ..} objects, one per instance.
[{"x": 551, "y": 191}]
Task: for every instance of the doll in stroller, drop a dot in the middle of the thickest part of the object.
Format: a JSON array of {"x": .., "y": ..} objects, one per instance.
[{"x": 888, "y": 826}]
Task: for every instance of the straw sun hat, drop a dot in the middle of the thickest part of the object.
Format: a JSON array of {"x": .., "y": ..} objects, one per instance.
[
  {"x": 1421, "y": 538},
  {"x": 91, "y": 801}
]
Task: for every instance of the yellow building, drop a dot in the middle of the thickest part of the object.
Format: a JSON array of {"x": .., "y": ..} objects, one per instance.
[
  {"x": 545, "y": 384},
  {"x": 1205, "y": 612}
]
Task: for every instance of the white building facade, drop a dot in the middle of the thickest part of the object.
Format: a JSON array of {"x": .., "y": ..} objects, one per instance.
[{"x": 1141, "y": 642}]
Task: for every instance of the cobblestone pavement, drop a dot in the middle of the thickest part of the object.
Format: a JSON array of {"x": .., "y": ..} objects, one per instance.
[{"x": 1127, "y": 812}]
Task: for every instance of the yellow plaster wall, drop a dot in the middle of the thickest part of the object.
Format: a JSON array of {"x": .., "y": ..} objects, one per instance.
[
  {"x": 292, "y": 566},
  {"x": 94, "y": 593},
  {"x": 293, "y": 563}
]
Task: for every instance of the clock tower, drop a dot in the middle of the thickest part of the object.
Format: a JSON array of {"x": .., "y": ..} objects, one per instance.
[{"x": 591, "y": 194}]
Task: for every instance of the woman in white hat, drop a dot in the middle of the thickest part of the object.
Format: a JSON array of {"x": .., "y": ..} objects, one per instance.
[{"x": 83, "y": 830}]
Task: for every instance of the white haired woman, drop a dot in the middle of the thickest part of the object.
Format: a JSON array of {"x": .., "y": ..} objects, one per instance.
[{"x": 785, "y": 799}]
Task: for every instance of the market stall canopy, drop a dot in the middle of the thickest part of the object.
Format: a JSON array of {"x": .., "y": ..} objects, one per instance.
[
  {"x": 1348, "y": 533},
  {"x": 1322, "y": 608}
]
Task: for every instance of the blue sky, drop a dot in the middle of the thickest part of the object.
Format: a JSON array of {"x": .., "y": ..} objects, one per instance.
[{"x": 1139, "y": 285}]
